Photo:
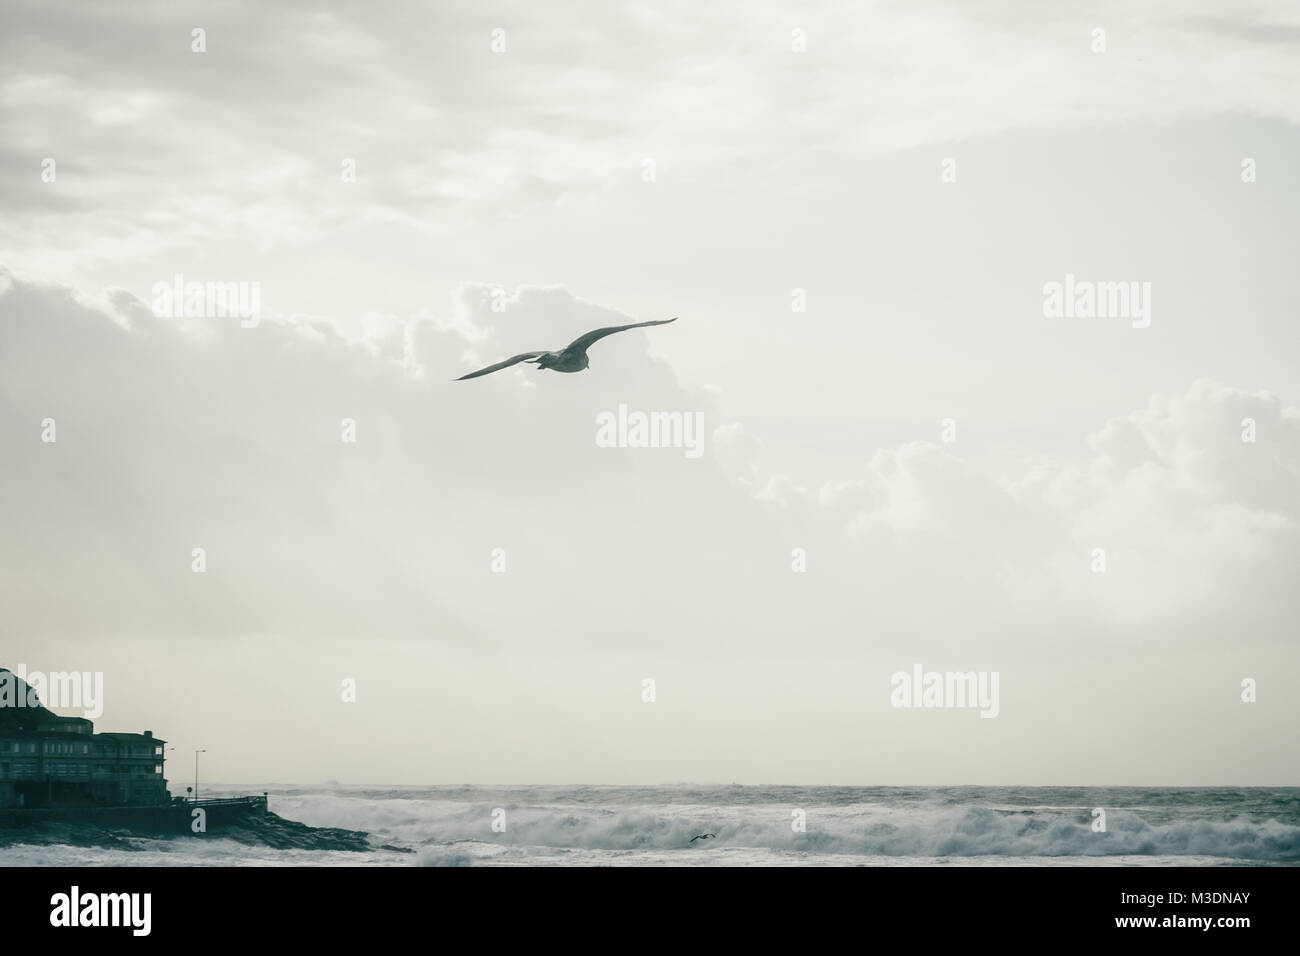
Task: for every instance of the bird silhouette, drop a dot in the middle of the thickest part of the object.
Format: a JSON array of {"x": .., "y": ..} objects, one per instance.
[
  {"x": 571, "y": 358},
  {"x": 703, "y": 836}
]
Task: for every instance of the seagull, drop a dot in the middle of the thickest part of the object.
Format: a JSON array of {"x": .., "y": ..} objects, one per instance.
[
  {"x": 571, "y": 358},
  {"x": 703, "y": 836}
]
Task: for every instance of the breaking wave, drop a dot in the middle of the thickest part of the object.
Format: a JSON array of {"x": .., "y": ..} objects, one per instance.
[
  {"x": 454, "y": 832},
  {"x": 973, "y": 831},
  {"x": 470, "y": 826}
]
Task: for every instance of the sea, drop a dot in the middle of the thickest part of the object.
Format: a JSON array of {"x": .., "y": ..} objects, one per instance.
[{"x": 735, "y": 826}]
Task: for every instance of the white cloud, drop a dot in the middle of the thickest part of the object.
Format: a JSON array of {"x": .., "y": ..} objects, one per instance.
[
  {"x": 373, "y": 559},
  {"x": 230, "y": 440},
  {"x": 158, "y": 150}
]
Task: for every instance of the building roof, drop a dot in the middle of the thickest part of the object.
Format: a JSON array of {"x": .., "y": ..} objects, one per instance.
[{"x": 133, "y": 738}]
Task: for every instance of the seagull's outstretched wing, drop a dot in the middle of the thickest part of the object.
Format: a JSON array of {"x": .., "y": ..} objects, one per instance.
[
  {"x": 583, "y": 342},
  {"x": 514, "y": 360}
]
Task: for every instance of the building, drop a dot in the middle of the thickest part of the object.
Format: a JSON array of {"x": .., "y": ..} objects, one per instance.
[{"x": 52, "y": 761}]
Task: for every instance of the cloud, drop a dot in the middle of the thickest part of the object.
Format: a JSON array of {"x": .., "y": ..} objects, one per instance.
[
  {"x": 181, "y": 434},
  {"x": 157, "y": 148},
  {"x": 1199, "y": 528},
  {"x": 177, "y": 434},
  {"x": 1193, "y": 515},
  {"x": 373, "y": 560}
]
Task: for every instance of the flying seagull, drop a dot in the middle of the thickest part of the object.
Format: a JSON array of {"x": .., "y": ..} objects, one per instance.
[
  {"x": 571, "y": 358},
  {"x": 703, "y": 836}
]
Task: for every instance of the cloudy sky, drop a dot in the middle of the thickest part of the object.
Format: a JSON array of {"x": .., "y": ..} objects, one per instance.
[{"x": 853, "y": 207}]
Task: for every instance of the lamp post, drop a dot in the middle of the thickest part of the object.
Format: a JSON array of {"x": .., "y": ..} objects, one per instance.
[{"x": 196, "y": 774}]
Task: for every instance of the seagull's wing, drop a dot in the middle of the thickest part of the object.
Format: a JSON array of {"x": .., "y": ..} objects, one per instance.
[
  {"x": 583, "y": 342},
  {"x": 514, "y": 360}
]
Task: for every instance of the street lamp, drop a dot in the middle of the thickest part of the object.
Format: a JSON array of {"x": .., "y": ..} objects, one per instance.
[{"x": 196, "y": 774}]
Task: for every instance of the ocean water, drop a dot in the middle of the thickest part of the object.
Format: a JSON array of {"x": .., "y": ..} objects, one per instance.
[{"x": 653, "y": 826}]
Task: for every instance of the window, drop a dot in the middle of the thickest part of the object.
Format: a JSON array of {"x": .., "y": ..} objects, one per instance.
[{"x": 157, "y": 768}]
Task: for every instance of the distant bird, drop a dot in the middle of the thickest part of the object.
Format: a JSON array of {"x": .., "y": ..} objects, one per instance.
[
  {"x": 571, "y": 358},
  {"x": 703, "y": 836}
]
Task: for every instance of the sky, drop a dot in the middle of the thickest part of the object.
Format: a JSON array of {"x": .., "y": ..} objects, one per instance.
[{"x": 855, "y": 210}]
